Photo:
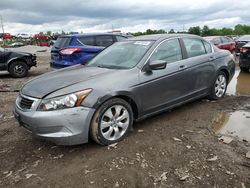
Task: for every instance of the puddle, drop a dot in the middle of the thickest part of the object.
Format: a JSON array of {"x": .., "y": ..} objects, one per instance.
[
  {"x": 239, "y": 85},
  {"x": 236, "y": 124}
]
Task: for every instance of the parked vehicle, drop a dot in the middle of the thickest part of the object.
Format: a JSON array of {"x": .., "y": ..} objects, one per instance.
[
  {"x": 241, "y": 41},
  {"x": 128, "y": 81},
  {"x": 6, "y": 36},
  {"x": 16, "y": 63},
  {"x": 42, "y": 40},
  {"x": 16, "y": 44},
  {"x": 244, "y": 60},
  {"x": 222, "y": 42},
  {"x": 23, "y": 36},
  {"x": 75, "y": 49}
]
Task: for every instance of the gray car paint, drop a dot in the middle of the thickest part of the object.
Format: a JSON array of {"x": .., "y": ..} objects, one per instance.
[{"x": 171, "y": 86}]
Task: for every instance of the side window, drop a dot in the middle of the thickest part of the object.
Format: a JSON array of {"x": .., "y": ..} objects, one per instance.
[
  {"x": 194, "y": 47},
  {"x": 105, "y": 40},
  {"x": 120, "y": 38},
  {"x": 89, "y": 41},
  {"x": 208, "y": 47},
  {"x": 226, "y": 39},
  {"x": 169, "y": 51},
  {"x": 216, "y": 41}
]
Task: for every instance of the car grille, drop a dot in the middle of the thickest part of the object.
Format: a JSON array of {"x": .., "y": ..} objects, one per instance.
[{"x": 26, "y": 103}]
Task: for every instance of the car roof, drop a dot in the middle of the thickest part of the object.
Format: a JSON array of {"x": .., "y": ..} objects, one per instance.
[
  {"x": 211, "y": 37},
  {"x": 244, "y": 38},
  {"x": 156, "y": 37},
  {"x": 90, "y": 34}
]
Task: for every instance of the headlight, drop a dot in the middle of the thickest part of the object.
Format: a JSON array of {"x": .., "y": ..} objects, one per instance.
[{"x": 65, "y": 101}]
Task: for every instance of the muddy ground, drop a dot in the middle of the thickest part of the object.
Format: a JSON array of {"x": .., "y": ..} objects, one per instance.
[{"x": 178, "y": 148}]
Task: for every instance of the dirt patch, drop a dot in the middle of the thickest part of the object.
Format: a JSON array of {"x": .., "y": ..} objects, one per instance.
[{"x": 174, "y": 149}]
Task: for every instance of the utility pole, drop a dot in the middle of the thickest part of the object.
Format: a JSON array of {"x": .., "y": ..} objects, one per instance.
[
  {"x": 2, "y": 23},
  {"x": 2, "y": 28}
]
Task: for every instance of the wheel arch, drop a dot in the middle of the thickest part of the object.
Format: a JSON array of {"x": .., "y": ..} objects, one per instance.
[
  {"x": 223, "y": 69},
  {"x": 122, "y": 95},
  {"x": 15, "y": 60}
]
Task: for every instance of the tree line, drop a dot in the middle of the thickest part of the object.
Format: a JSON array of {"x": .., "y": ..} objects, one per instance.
[{"x": 204, "y": 31}]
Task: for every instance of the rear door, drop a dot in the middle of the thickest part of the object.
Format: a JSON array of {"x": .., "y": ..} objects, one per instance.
[
  {"x": 200, "y": 61},
  {"x": 89, "y": 48}
]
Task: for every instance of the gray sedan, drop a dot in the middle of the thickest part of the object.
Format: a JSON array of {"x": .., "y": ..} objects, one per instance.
[{"x": 128, "y": 81}]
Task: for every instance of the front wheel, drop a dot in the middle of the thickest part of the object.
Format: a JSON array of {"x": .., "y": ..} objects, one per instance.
[
  {"x": 111, "y": 122},
  {"x": 18, "y": 69},
  {"x": 219, "y": 87}
]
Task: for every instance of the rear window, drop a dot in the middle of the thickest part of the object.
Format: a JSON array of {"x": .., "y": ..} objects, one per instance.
[
  {"x": 225, "y": 40},
  {"x": 89, "y": 41},
  {"x": 62, "y": 42}
]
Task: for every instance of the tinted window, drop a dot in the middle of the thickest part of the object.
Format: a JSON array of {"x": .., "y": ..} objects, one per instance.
[
  {"x": 105, "y": 40},
  {"x": 208, "y": 47},
  {"x": 89, "y": 41},
  {"x": 62, "y": 42},
  {"x": 194, "y": 47},
  {"x": 120, "y": 38},
  {"x": 169, "y": 51}
]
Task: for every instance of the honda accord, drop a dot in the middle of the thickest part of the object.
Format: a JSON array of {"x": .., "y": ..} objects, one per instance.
[{"x": 127, "y": 82}]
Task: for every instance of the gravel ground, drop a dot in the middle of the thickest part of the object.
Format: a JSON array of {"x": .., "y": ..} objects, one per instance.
[{"x": 178, "y": 148}]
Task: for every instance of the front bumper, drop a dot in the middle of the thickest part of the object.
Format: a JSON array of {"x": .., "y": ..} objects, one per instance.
[{"x": 62, "y": 127}]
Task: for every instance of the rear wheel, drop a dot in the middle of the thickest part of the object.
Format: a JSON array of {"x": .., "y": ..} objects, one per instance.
[
  {"x": 18, "y": 69},
  {"x": 111, "y": 122},
  {"x": 220, "y": 86}
]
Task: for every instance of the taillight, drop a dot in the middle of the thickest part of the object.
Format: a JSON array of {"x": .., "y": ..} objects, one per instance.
[
  {"x": 69, "y": 51},
  {"x": 243, "y": 50}
]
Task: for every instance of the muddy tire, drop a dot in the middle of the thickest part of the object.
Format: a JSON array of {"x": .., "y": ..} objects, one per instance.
[
  {"x": 219, "y": 87},
  {"x": 18, "y": 69},
  {"x": 111, "y": 122}
]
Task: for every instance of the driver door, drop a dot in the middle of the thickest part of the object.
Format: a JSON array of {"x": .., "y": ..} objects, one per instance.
[{"x": 163, "y": 88}]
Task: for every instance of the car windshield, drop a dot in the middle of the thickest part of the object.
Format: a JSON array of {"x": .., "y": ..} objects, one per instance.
[{"x": 121, "y": 55}]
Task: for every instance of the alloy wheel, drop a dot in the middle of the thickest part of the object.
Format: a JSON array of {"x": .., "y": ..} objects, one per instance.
[{"x": 114, "y": 122}]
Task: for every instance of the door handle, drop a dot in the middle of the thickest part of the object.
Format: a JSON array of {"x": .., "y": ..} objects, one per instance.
[
  {"x": 211, "y": 58},
  {"x": 182, "y": 67}
]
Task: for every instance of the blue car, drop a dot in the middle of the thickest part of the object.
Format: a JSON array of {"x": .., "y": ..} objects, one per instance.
[{"x": 75, "y": 49}]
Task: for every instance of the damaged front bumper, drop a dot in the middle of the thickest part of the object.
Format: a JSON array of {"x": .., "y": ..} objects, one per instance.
[{"x": 63, "y": 127}]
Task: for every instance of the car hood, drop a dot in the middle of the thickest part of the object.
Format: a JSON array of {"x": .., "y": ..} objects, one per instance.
[{"x": 53, "y": 81}]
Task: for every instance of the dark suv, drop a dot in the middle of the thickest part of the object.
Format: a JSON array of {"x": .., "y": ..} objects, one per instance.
[
  {"x": 80, "y": 48},
  {"x": 16, "y": 63}
]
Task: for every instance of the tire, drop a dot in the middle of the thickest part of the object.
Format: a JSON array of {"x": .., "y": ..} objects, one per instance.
[
  {"x": 244, "y": 69},
  {"x": 219, "y": 87},
  {"x": 18, "y": 69},
  {"x": 109, "y": 126}
]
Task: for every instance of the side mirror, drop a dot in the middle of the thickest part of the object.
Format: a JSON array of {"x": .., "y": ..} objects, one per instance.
[{"x": 155, "y": 65}]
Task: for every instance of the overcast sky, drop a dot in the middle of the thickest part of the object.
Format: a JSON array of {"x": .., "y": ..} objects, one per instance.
[{"x": 31, "y": 16}]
